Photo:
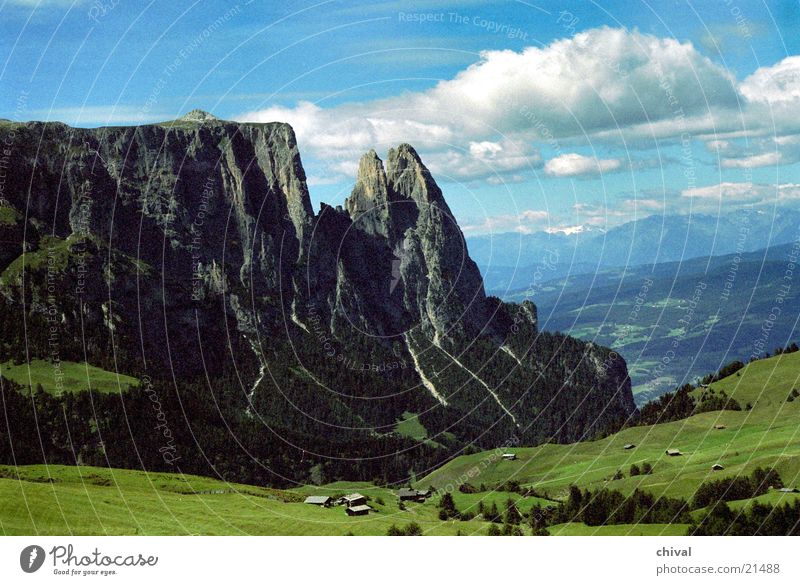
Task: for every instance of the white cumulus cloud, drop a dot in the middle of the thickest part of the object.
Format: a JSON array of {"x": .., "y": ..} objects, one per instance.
[
  {"x": 576, "y": 165},
  {"x": 600, "y": 83},
  {"x": 525, "y": 222},
  {"x": 777, "y": 84},
  {"x": 757, "y": 160},
  {"x": 746, "y": 192}
]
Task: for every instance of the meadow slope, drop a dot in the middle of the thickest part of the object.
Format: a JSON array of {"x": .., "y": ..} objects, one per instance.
[{"x": 89, "y": 500}]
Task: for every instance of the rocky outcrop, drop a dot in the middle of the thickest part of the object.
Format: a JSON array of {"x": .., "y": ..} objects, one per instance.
[
  {"x": 440, "y": 287},
  {"x": 190, "y": 248},
  {"x": 207, "y": 209}
]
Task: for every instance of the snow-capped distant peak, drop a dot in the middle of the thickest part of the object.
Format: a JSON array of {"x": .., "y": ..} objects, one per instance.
[{"x": 574, "y": 229}]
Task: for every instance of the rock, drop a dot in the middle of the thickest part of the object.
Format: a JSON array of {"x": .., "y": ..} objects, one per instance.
[
  {"x": 192, "y": 250},
  {"x": 198, "y": 116}
]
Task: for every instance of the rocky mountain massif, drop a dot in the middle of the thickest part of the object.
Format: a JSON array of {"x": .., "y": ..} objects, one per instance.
[{"x": 187, "y": 254}]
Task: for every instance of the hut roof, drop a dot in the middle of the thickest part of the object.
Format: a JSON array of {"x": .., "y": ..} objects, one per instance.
[{"x": 358, "y": 509}]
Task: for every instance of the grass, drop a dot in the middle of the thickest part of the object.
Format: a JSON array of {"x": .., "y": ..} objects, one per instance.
[
  {"x": 53, "y": 254},
  {"x": 773, "y": 497},
  {"x": 470, "y": 502},
  {"x": 580, "y": 529},
  {"x": 67, "y": 500},
  {"x": 8, "y": 215},
  {"x": 86, "y": 500},
  {"x": 767, "y": 435},
  {"x": 764, "y": 383},
  {"x": 409, "y": 426},
  {"x": 66, "y": 377}
]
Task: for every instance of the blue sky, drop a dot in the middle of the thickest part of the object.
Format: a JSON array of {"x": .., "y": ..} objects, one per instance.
[{"x": 531, "y": 116}]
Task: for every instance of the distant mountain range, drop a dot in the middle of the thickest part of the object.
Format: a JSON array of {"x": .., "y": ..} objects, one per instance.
[
  {"x": 510, "y": 261},
  {"x": 674, "y": 321}
]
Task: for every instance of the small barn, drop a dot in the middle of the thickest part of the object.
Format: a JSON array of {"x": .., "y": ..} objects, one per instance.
[
  {"x": 629, "y": 446},
  {"x": 673, "y": 453},
  {"x": 789, "y": 490},
  {"x": 354, "y": 500},
  {"x": 720, "y": 427},
  {"x": 717, "y": 467},
  {"x": 362, "y": 510},
  {"x": 319, "y": 500},
  {"x": 510, "y": 456}
]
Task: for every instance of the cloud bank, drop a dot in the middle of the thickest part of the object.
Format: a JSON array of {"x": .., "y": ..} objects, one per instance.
[{"x": 607, "y": 85}]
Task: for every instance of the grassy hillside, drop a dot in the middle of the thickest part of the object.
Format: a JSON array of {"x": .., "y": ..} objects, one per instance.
[
  {"x": 765, "y": 384},
  {"x": 409, "y": 426},
  {"x": 66, "y": 377},
  {"x": 580, "y": 529},
  {"x": 88, "y": 500},
  {"x": 767, "y": 435}
]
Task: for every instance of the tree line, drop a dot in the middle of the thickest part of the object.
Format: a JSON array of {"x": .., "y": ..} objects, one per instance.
[{"x": 707, "y": 513}]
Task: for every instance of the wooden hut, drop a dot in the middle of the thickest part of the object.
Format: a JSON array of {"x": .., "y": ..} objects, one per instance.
[
  {"x": 409, "y": 495},
  {"x": 354, "y": 500},
  {"x": 362, "y": 510}
]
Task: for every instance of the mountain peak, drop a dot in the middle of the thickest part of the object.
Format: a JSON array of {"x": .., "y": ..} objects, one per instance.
[
  {"x": 406, "y": 148},
  {"x": 368, "y": 203},
  {"x": 200, "y": 116},
  {"x": 370, "y": 167},
  {"x": 403, "y": 156},
  {"x": 408, "y": 176},
  {"x": 387, "y": 200},
  {"x": 370, "y": 155},
  {"x": 572, "y": 230}
]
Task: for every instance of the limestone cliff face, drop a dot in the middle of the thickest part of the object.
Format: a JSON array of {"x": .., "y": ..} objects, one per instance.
[
  {"x": 204, "y": 208},
  {"x": 369, "y": 203},
  {"x": 190, "y": 248}
]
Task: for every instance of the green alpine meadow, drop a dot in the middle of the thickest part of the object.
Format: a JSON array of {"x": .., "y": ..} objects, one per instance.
[
  {"x": 754, "y": 437},
  {"x": 432, "y": 268}
]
